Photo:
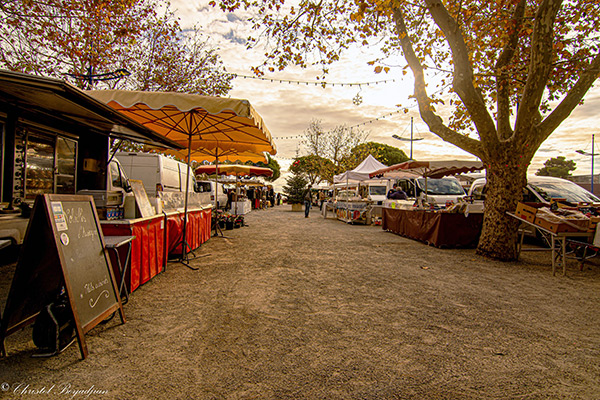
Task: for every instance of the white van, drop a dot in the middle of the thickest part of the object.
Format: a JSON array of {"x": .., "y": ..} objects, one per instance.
[
  {"x": 375, "y": 190},
  {"x": 541, "y": 189},
  {"x": 157, "y": 172},
  {"x": 437, "y": 191},
  {"x": 213, "y": 187}
]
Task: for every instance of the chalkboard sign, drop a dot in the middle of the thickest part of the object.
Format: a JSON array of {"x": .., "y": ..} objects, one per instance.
[
  {"x": 63, "y": 247},
  {"x": 141, "y": 198}
]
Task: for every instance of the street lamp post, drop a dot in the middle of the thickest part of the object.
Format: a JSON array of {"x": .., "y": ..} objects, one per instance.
[
  {"x": 592, "y": 154},
  {"x": 411, "y": 138}
]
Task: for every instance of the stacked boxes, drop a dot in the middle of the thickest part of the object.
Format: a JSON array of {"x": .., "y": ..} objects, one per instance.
[{"x": 526, "y": 212}]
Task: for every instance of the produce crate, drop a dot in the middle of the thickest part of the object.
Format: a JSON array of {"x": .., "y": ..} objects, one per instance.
[
  {"x": 592, "y": 224},
  {"x": 561, "y": 225},
  {"x": 527, "y": 212}
]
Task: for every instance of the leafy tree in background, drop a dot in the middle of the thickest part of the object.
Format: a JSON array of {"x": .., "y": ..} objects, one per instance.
[
  {"x": 315, "y": 168},
  {"x": 274, "y": 165},
  {"x": 66, "y": 38},
  {"x": 386, "y": 154},
  {"x": 295, "y": 186},
  {"x": 559, "y": 167},
  {"x": 481, "y": 58}
]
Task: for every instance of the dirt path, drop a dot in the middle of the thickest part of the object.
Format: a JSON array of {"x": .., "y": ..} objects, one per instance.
[{"x": 295, "y": 308}]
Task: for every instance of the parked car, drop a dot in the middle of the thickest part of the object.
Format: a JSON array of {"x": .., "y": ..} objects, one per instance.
[{"x": 541, "y": 189}]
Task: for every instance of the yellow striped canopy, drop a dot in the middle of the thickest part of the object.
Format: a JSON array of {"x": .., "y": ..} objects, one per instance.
[{"x": 208, "y": 127}]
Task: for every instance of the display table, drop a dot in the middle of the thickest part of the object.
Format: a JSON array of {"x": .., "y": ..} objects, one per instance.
[
  {"x": 114, "y": 244},
  {"x": 436, "y": 228},
  {"x": 198, "y": 229},
  {"x": 352, "y": 211},
  {"x": 558, "y": 242},
  {"x": 148, "y": 253},
  {"x": 240, "y": 207}
]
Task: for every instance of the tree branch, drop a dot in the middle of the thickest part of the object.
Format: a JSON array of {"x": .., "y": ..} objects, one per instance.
[
  {"x": 433, "y": 121},
  {"x": 463, "y": 73},
  {"x": 502, "y": 81},
  {"x": 572, "y": 99},
  {"x": 540, "y": 65}
]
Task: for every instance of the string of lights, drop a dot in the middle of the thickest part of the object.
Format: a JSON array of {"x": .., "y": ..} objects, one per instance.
[
  {"x": 292, "y": 137},
  {"x": 314, "y": 83}
]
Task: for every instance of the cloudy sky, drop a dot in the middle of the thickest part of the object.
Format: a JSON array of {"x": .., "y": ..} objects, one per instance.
[{"x": 288, "y": 108}]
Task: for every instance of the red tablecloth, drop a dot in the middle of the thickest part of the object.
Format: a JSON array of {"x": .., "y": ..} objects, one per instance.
[
  {"x": 198, "y": 228},
  {"x": 147, "y": 249},
  {"x": 436, "y": 228}
]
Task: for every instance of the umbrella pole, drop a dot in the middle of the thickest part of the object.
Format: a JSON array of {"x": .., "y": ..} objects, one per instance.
[
  {"x": 216, "y": 205},
  {"x": 237, "y": 192},
  {"x": 184, "y": 244}
]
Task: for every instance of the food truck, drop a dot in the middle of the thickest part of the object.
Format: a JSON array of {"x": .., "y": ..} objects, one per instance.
[{"x": 56, "y": 140}]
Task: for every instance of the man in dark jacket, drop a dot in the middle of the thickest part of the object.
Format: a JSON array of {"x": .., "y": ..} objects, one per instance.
[{"x": 307, "y": 200}]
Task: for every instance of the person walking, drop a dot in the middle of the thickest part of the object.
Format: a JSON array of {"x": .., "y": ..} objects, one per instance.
[{"x": 307, "y": 201}]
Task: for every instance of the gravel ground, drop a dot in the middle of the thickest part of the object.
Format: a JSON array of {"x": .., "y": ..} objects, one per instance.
[{"x": 296, "y": 308}]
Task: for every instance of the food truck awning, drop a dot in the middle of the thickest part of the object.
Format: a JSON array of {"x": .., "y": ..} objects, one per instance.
[{"x": 55, "y": 103}]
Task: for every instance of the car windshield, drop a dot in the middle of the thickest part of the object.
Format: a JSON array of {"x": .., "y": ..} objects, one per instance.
[
  {"x": 567, "y": 190},
  {"x": 377, "y": 190},
  {"x": 442, "y": 186}
]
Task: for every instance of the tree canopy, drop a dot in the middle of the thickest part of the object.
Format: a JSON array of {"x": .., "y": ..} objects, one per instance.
[
  {"x": 509, "y": 72},
  {"x": 386, "y": 154},
  {"x": 559, "y": 167},
  {"x": 86, "y": 42},
  {"x": 274, "y": 165},
  {"x": 314, "y": 168}
]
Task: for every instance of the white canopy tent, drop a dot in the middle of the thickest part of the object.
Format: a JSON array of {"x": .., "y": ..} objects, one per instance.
[{"x": 361, "y": 172}]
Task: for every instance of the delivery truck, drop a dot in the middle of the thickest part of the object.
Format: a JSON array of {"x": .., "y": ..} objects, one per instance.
[{"x": 157, "y": 172}]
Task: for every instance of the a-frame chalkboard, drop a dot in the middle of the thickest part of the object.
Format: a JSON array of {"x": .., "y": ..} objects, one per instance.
[{"x": 63, "y": 247}]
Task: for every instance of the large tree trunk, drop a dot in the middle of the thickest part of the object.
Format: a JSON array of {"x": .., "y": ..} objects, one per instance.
[{"x": 503, "y": 192}]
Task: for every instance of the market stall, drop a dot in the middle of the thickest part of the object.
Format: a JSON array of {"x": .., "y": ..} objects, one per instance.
[
  {"x": 440, "y": 229},
  {"x": 559, "y": 224},
  {"x": 355, "y": 209},
  {"x": 240, "y": 205},
  {"x": 353, "y": 212},
  {"x": 198, "y": 229},
  {"x": 453, "y": 225},
  {"x": 148, "y": 251},
  {"x": 207, "y": 127}
]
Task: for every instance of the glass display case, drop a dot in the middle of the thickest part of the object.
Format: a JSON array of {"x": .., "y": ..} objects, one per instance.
[
  {"x": 39, "y": 176},
  {"x": 49, "y": 165}
]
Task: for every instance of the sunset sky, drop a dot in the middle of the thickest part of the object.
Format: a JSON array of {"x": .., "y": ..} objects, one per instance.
[{"x": 288, "y": 108}]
